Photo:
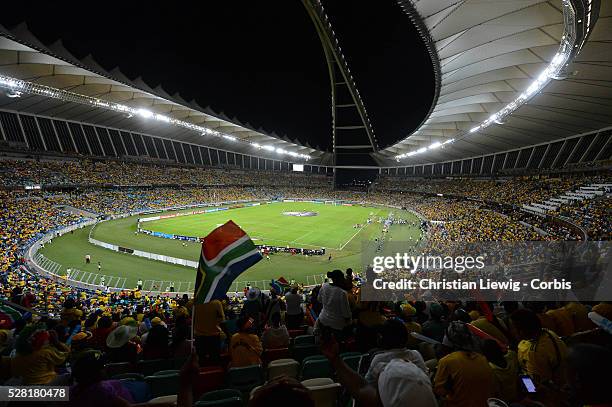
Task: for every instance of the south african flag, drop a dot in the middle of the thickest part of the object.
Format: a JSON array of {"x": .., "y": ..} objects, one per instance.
[{"x": 226, "y": 252}]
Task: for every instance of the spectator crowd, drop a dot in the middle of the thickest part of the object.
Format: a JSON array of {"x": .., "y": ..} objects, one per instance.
[{"x": 128, "y": 347}]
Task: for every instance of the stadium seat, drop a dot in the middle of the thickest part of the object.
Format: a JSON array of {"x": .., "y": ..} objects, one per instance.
[
  {"x": 209, "y": 379},
  {"x": 177, "y": 363},
  {"x": 324, "y": 391},
  {"x": 280, "y": 367},
  {"x": 139, "y": 389},
  {"x": 166, "y": 372},
  {"x": 274, "y": 354},
  {"x": 253, "y": 391},
  {"x": 321, "y": 381},
  {"x": 113, "y": 369},
  {"x": 229, "y": 402},
  {"x": 149, "y": 367},
  {"x": 135, "y": 376},
  {"x": 163, "y": 385},
  {"x": 303, "y": 340},
  {"x": 165, "y": 400},
  {"x": 220, "y": 395},
  {"x": 295, "y": 332},
  {"x": 314, "y": 368},
  {"x": 314, "y": 357},
  {"x": 245, "y": 378},
  {"x": 347, "y": 354},
  {"x": 302, "y": 351},
  {"x": 352, "y": 359}
]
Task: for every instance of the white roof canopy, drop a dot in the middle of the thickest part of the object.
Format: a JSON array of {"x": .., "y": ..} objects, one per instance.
[
  {"x": 23, "y": 57},
  {"x": 489, "y": 52}
]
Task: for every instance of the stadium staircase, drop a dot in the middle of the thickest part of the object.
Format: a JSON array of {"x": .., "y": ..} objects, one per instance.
[
  {"x": 77, "y": 211},
  {"x": 583, "y": 193}
]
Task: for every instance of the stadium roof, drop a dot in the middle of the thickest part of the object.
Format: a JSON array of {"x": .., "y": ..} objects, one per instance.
[
  {"x": 80, "y": 90},
  {"x": 488, "y": 57},
  {"x": 488, "y": 54}
]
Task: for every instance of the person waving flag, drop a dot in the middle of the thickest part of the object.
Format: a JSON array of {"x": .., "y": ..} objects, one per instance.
[{"x": 226, "y": 253}]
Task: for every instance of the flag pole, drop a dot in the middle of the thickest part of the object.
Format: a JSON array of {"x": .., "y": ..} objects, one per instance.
[
  {"x": 193, "y": 312},
  {"x": 193, "y": 307}
]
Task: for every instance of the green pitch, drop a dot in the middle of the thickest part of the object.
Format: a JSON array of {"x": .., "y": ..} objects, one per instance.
[
  {"x": 333, "y": 228},
  {"x": 276, "y": 224}
]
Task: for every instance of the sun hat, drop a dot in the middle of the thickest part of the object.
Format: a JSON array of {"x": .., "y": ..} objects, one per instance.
[
  {"x": 120, "y": 336},
  {"x": 253, "y": 293},
  {"x": 403, "y": 383}
]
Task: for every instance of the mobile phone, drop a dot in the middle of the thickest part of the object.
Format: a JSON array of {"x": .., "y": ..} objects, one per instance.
[{"x": 528, "y": 384}]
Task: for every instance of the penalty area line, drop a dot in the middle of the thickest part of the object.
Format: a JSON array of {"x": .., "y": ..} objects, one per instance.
[{"x": 352, "y": 237}]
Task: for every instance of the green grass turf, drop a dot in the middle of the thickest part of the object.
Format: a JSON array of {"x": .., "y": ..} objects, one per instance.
[{"x": 332, "y": 228}]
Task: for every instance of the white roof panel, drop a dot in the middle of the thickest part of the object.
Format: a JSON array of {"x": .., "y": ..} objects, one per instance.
[{"x": 492, "y": 50}]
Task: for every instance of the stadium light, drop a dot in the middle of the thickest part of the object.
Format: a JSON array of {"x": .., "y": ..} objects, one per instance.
[
  {"x": 16, "y": 87},
  {"x": 13, "y": 94},
  {"x": 162, "y": 118},
  {"x": 268, "y": 148},
  {"x": 556, "y": 65},
  {"x": 147, "y": 114},
  {"x": 433, "y": 146}
]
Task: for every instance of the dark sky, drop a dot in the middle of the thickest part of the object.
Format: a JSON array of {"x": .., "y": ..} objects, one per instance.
[{"x": 258, "y": 61}]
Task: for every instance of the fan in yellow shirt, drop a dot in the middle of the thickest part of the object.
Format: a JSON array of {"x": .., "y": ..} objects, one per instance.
[
  {"x": 541, "y": 353},
  {"x": 505, "y": 369},
  {"x": 463, "y": 377},
  {"x": 38, "y": 354},
  {"x": 245, "y": 347}
]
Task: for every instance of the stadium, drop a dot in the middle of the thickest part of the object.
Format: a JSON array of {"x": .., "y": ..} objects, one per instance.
[{"x": 401, "y": 202}]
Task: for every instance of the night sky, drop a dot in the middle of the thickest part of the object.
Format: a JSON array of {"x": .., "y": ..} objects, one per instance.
[{"x": 258, "y": 61}]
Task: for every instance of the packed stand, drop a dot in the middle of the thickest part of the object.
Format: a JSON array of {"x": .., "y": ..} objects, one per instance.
[
  {"x": 98, "y": 173},
  {"x": 319, "y": 343}
]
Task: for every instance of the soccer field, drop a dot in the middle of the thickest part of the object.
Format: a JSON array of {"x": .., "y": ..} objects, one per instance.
[
  {"x": 279, "y": 224},
  {"x": 329, "y": 226}
]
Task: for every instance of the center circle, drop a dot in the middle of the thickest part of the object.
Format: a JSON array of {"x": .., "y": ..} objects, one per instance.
[{"x": 300, "y": 213}]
